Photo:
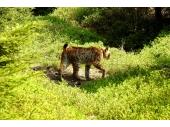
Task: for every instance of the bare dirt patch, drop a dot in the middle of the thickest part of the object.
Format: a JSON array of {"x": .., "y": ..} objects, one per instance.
[{"x": 52, "y": 73}]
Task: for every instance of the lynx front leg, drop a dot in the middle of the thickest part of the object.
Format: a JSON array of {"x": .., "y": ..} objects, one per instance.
[
  {"x": 87, "y": 71},
  {"x": 61, "y": 71},
  {"x": 63, "y": 66},
  {"x": 76, "y": 70},
  {"x": 99, "y": 66}
]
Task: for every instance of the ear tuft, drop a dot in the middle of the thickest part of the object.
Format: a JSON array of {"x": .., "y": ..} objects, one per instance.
[{"x": 65, "y": 46}]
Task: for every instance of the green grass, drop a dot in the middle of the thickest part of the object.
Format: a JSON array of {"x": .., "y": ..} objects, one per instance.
[{"x": 138, "y": 85}]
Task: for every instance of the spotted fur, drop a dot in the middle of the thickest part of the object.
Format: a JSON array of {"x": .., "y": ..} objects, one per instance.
[{"x": 80, "y": 55}]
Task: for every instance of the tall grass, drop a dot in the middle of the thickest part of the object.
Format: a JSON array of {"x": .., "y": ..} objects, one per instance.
[{"x": 137, "y": 86}]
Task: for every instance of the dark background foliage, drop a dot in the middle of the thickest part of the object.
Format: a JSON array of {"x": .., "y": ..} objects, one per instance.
[
  {"x": 130, "y": 28},
  {"x": 126, "y": 28}
]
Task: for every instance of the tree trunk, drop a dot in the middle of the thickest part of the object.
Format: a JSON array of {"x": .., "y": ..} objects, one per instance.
[{"x": 158, "y": 13}]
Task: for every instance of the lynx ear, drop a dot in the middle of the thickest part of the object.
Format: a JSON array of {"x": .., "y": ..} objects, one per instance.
[
  {"x": 65, "y": 46},
  {"x": 106, "y": 48}
]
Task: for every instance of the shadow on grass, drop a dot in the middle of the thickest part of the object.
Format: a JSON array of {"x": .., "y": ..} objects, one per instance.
[
  {"x": 74, "y": 33},
  {"x": 52, "y": 73},
  {"x": 115, "y": 79},
  {"x": 162, "y": 66},
  {"x": 4, "y": 63}
]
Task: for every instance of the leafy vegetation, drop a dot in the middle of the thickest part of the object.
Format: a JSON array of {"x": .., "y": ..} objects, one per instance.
[
  {"x": 130, "y": 28},
  {"x": 137, "y": 85}
]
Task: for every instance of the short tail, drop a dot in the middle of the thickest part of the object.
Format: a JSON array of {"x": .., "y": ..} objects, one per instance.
[{"x": 65, "y": 46}]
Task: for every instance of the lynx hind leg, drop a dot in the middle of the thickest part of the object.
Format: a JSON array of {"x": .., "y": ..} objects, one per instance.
[
  {"x": 99, "y": 66},
  {"x": 87, "y": 72},
  {"x": 76, "y": 67}
]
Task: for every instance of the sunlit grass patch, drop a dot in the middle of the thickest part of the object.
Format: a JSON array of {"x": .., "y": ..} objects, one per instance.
[{"x": 136, "y": 86}]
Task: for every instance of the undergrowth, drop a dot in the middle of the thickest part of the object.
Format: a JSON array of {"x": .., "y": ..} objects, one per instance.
[{"x": 137, "y": 86}]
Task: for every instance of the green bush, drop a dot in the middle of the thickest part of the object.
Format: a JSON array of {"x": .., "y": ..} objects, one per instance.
[
  {"x": 11, "y": 18},
  {"x": 136, "y": 86},
  {"x": 136, "y": 26}
]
